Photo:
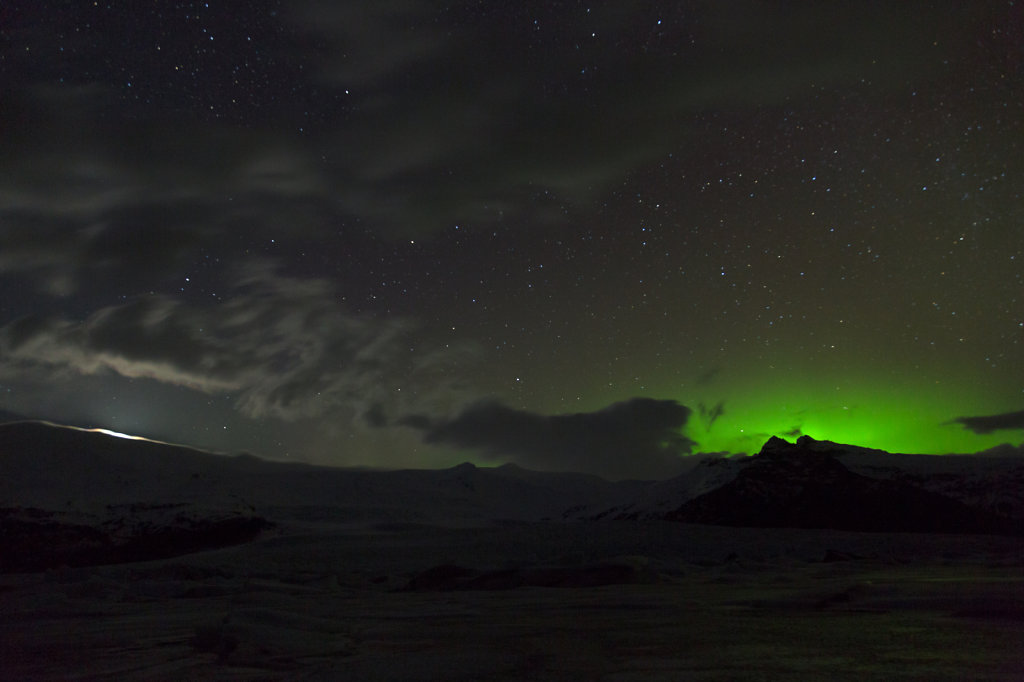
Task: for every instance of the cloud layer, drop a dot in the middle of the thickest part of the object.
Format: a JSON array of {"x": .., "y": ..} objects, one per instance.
[
  {"x": 638, "y": 438},
  {"x": 282, "y": 346},
  {"x": 994, "y": 422}
]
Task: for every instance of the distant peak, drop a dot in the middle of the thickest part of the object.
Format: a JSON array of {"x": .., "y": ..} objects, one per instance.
[
  {"x": 779, "y": 449},
  {"x": 511, "y": 466},
  {"x": 776, "y": 445},
  {"x": 824, "y": 445}
]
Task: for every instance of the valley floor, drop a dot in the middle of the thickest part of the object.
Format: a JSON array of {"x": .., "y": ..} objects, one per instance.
[{"x": 326, "y": 602}]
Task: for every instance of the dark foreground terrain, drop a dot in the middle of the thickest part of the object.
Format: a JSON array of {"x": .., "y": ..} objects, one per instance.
[
  {"x": 649, "y": 600},
  {"x": 132, "y": 560}
]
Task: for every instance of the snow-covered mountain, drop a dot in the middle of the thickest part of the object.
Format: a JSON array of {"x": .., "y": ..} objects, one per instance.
[
  {"x": 76, "y": 496},
  {"x": 992, "y": 480},
  {"x": 90, "y": 473},
  {"x": 655, "y": 499},
  {"x": 819, "y": 484}
]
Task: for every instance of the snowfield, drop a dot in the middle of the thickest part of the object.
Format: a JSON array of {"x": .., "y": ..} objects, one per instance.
[{"x": 470, "y": 574}]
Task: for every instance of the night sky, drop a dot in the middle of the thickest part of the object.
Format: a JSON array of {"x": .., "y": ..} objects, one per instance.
[{"x": 571, "y": 235}]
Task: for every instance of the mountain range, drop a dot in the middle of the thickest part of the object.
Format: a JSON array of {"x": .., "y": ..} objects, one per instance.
[{"x": 78, "y": 497}]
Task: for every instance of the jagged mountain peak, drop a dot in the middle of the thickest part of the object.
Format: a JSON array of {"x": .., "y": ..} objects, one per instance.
[{"x": 806, "y": 485}]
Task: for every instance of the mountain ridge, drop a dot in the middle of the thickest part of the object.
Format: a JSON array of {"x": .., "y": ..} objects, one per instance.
[
  {"x": 802, "y": 485},
  {"x": 92, "y": 493}
]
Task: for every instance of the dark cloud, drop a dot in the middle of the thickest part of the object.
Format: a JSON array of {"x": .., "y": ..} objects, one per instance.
[
  {"x": 638, "y": 438},
  {"x": 89, "y": 197},
  {"x": 709, "y": 415},
  {"x": 132, "y": 183},
  {"x": 380, "y": 39},
  {"x": 436, "y": 95},
  {"x": 413, "y": 103},
  {"x": 62, "y": 259},
  {"x": 282, "y": 346},
  {"x": 990, "y": 423}
]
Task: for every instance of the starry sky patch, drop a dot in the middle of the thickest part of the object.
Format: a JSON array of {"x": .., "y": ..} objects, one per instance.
[{"x": 333, "y": 231}]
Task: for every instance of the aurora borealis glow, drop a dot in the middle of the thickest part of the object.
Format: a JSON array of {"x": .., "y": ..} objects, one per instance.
[
  {"x": 322, "y": 230},
  {"x": 899, "y": 421}
]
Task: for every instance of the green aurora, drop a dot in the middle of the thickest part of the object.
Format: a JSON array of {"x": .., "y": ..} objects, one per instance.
[{"x": 905, "y": 419}]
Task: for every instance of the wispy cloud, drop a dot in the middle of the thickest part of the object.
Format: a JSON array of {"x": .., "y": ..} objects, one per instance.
[{"x": 282, "y": 345}]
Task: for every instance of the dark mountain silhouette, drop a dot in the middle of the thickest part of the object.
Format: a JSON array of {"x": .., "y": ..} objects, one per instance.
[
  {"x": 78, "y": 497},
  {"x": 792, "y": 485}
]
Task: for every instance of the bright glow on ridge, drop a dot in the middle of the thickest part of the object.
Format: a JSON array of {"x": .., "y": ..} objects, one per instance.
[{"x": 118, "y": 434}]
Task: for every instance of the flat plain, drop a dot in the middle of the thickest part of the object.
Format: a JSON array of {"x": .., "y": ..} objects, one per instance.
[{"x": 329, "y": 601}]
